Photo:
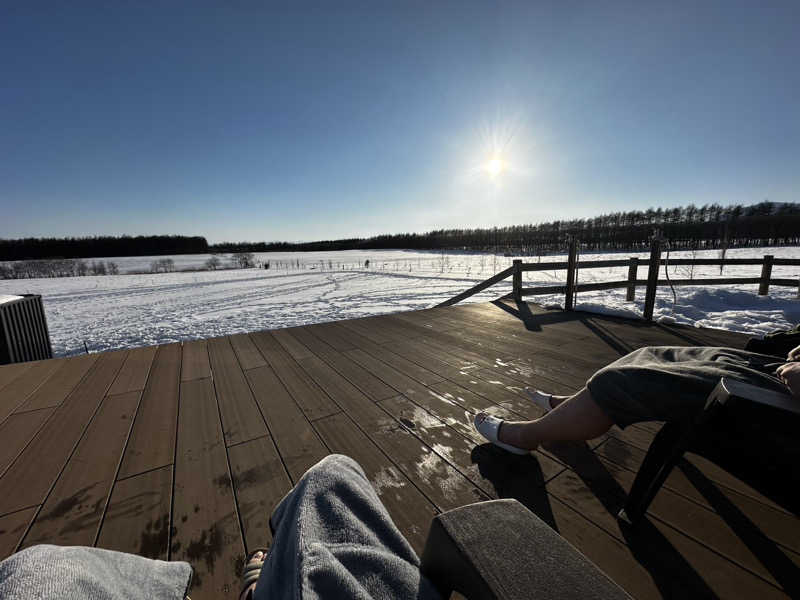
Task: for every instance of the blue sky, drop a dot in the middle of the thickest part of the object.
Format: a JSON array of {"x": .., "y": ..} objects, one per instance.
[{"x": 244, "y": 120}]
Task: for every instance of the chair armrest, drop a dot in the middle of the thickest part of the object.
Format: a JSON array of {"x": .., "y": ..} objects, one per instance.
[
  {"x": 499, "y": 549},
  {"x": 738, "y": 391}
]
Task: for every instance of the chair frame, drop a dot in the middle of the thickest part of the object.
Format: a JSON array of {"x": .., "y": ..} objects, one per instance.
[{"x": 675, "y": 438}]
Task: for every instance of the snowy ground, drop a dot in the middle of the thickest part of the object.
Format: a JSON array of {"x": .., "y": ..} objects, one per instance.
[{"x": 136, "y": 310}]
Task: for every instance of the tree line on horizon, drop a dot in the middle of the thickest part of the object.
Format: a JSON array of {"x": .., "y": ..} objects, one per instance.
[
  {"x": 101, "y": 246},
  {"x": 687, "y": 227}
]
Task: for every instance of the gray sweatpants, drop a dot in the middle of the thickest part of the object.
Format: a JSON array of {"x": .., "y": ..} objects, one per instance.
[
  {"x": 666, "y": 383},
  {"x": 332, "y": 539}
]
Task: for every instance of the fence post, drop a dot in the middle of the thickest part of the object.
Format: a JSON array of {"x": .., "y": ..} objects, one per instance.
[
  {"x": 572, "y": 264},
  {"x": 633, "y": 267},
  {"x": 766, "y": 273},
  {"x": 652, "y": 278},
  {"x": 517, "y": 279}
]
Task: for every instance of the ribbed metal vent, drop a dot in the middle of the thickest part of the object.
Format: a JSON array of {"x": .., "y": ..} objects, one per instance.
[{"x": 23, "y": 329}]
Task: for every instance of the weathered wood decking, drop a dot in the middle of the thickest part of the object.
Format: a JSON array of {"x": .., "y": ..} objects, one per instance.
[{"x": 181, "y": 451}]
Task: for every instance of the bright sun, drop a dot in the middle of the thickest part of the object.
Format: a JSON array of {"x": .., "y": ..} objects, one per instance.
[{"x": 495, "y": 166}]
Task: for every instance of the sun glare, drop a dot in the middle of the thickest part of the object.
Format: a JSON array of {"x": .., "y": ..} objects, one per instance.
[{"x": 495, "y": 166}]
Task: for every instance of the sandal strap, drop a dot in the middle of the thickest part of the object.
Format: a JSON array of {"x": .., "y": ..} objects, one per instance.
[
  {"x": 250, "y": 576},
  {"x": 252, "y": 569}
]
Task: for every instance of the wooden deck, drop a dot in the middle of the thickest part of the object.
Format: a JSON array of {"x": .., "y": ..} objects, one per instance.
[{"x": 180, "y": 451}]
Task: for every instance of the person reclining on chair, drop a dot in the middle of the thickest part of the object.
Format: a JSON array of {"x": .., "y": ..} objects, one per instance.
[{"x": 659, "y": 383}]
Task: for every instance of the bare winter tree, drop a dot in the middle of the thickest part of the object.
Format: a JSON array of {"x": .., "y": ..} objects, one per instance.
[
  {"x": 243, "y": 260},
  {"x": 97, "y": 268},
  {"x": 162, "y": 265},
  {"x": 724, "y": 250},
  {"x": 213, "y": 263}
]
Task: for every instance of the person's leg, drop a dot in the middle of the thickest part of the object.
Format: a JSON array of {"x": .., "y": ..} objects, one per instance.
[
  {"x": 332, "y": 537},
  {"x": 573, "y": 418},
  {"x": 655, "y": 383}
]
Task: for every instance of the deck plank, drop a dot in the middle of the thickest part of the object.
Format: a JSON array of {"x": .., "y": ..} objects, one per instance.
[
  {"x": 241, "y": 419},
  {"x": 701, "y": 522},
  {"x": 365, "y": 381},
  {"x": 205, "y": 525},
  {"x": 597, "y": 496},
  {"x": 74, "y": 508},
  {"x": 311, "y": 399},
  {"x": 631, "y": 457},
  {"x": 460, "y": 451},
  {"x": 296, "y": 349},
  {"x": 36, "y": 469},
  {"x": 437, "y": 404},
  {"x": 260, "y": 481},
  {"x": 12, "y": 528},
  {"x": 246, "y": 351},
  {"x": 441, "y": 483},
  {"x": 152, "y": 440},
  {"x": 9, "y": 373},
  {"x": 21, "y": 388},
  {"x": 53, "y": 391},
  {"x": 362, "y": 329},
  {"x": 417, "y": 353},
  {"x": 490, "y": 384},
  {"x": 330, "y": 334},
  {"x": 563, "y": 366},
  {"x": 778, "y": 525},
  {"x": 297, "y": 442},
  {"x": 458, "y": 320},
  {"x": 17, "y": 431},
  {"x": 133, "y": 376},
  {"x": 549, "y": 364},
  {"x": 449, "y": 351},
  {"x": 137, "y": 518},
  {"x": 195, "y": 364},
  {"x": 631, "y": 569},
  {"x": 421, "y": 374}
]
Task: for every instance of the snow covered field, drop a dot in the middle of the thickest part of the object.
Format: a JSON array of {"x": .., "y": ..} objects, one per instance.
[{"x": 301, "y": 288}]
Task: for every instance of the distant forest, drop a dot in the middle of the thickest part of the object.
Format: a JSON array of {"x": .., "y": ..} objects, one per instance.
[
  {"x": 92, "y": 247},
  {"x": 686, "y": 227}
]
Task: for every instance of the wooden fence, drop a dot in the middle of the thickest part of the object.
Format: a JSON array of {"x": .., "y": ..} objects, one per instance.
[{"x": 653, "y": 264}]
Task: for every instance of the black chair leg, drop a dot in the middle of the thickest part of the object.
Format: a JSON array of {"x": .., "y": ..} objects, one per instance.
[
  {"x": 662, "y": 456},
  {"x": 664, "y": 453}
]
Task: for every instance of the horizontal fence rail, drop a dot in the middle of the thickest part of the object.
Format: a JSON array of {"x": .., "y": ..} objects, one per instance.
[
  {"x": 573, "y": 266},
  {"x": 643, "y": 262}
]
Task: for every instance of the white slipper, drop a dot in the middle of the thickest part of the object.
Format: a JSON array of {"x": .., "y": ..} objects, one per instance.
[
  {"x": 489, "y": 427},
  {"x": 540, "y": 399}
]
